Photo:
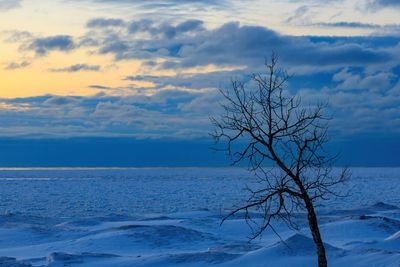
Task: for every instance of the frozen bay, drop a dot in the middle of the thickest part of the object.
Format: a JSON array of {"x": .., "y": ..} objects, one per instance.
[{"x": 171, "y": 217}]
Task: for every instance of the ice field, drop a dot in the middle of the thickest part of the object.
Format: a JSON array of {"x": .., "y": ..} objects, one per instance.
[{"x": 171, "y": 217}]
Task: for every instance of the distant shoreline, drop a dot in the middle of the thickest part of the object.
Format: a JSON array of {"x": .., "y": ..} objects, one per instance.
[{"x": 160, "y": 168}]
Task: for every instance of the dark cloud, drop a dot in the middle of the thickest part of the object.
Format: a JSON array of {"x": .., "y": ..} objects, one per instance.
[
  {"x": 345, "y": 24},
  {"x": 182, "y": 28},
  {"x": 77, "y": 67},
  {"x": 17, "y": 65},
  {"x": 245, "y": 45},
  {"x": 188, "y": 44},
  {"x": 170, "y": 31},
  {"x": 161, "y": 35},
  {"x": 378, "y": 4},
  {"x": 144, "y": 25},
  {"x": 166, "y": 30},
  {"x": 104, "y": 22},
  {"x": 189, "y": 25},
  {"x": 115, "y": 46},
  {"x": 44, "y": 45},
  {"x": 385, "y": 30},
  {"x": 197, "y": 81},
  {"x": 99, "y": 87}
]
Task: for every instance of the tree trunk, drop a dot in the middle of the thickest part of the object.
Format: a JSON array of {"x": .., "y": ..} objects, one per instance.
[{"x": 313, "y": 223}]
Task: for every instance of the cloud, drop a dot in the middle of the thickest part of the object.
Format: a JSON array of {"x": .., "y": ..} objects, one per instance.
[
  {"x": 165, "y": 29},
  {"x": 346, "y": 24},
  {"x": 18, "y": 36},
  {"x": 44, "y": 45},
  {"x": 140, "y": 116},
  {"x": 61, "y": 101},
  {"x": 378, "y": 4},
  {"x": 384, "y": 30},
  {"x": 348, "y": 80},
  {"x": 362, "y": 101},
  {"x": 99, "y": 87},
  {"x": 370, "y": 111},
  {"x": 234, "y": 44},
  {"x": 189, "y": 44},
  {"x": 357, "y": 74},
  {"x": 182, "y": 28},
  {"x": 77, "y": 68},
  {"x": 104, "y": 22},
  {"x": 162, "y": 8},
  {"x": 189, "y": 25},
  {"x": 143, "y": 25},
  {"x": 305, "y": 16},
  {"x": 194, "y": 81},
  {"x": 17, "y": 65},
  {"x": 9, "y": 4},
  {"x": 14, "y": 107},
  {"x": 300, "y": 16},
  {"x": 163, "y": 3},
  {"x": 134, "y": 45}
]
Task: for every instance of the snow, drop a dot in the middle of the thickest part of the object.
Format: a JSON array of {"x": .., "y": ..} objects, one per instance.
[{"x": 171, "y": 217}]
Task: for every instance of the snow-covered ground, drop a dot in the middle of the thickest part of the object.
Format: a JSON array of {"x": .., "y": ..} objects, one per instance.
[{"x": 171, "y": 217}]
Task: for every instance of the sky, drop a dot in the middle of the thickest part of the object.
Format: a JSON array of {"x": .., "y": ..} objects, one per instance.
[{"x": 126, "y": 78}]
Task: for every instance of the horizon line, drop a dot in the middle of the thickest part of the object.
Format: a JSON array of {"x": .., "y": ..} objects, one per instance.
[{"x": 160, "y": 167}]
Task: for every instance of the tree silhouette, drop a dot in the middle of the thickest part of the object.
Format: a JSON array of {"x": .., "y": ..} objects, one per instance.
[{"x": 264, "y": 125}]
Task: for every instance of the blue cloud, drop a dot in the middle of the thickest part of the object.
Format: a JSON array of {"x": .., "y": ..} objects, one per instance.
[
  {"x": 245, "y": 45},
  {"x": 346, "y": 24},
  {"x": 114, "y": 44},
  {"x": 184, "y": 27},
  {"x": 376, "y": 43},
  {"x": 104, "y": 22},
  {"x": 189, "y": 44},
  {"x": 165, "y": 29},
  {"x": 377, "y": 4},
  {"x": 144, "y": 25},
  {"x": 215, "y": 79},
  {"x": 138, "y": 116},
  {"x": 44, "y": 45},
  {"x": 77, "y": 68},
  {"x": 189, "y": 25}
]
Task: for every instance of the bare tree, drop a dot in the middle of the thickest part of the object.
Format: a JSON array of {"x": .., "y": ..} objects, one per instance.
[{"x": 265, "y": 125}]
